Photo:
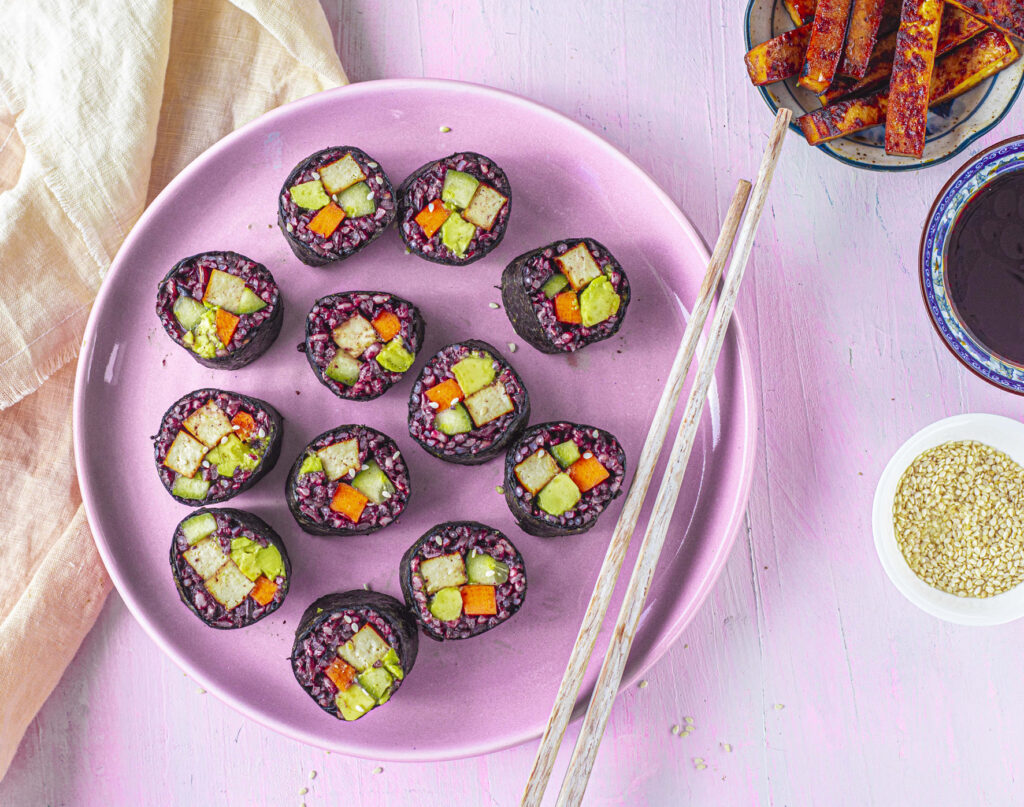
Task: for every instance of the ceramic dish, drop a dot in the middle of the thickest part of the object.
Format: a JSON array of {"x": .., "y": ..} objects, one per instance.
[
  {"x": 565, "y": 178},
  {"x": 952, "y": 126},
  {"x": 1004, "y": 434},
  {"x": 978, "y": 172}
]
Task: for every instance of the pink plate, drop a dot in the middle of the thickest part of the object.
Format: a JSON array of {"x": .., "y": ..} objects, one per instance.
[{"x": 463, "y": 698}]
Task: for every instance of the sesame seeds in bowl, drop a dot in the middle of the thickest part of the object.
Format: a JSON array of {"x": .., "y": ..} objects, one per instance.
[{"x": 948, "y": 519}]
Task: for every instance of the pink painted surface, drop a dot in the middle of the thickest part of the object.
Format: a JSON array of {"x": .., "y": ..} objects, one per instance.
[{"x": 881, "y": 704}]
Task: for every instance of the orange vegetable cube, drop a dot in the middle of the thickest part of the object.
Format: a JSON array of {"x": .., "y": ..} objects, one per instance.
[
  {"x": 445, "y": 394},
  {"x": 264, "y": 590},
  {"x": 341, "y": 674},
  {"x": 479, "y": 601},
  {"x": 567, "y": 308},
  {"x": 587, "y": 472},
  {"x": 246, "y": 425},
  {"x": 327, "y": 220},
  {"x": 387, "y": 325},
  {"x": 432, "y": 217},
  {"x": 226, "y": 324},
  {"x": 349, "y": 502}
]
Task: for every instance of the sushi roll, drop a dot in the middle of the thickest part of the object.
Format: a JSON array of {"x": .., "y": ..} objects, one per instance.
[
  {"x": 333, "y": 204},
  {"x": 564, "y": 296},
  {"x": 359, "y": 343},
  {"x": 353, "y": 650},
  {"x": 560, "y": 476},
  {"x": 213, "y": 444},
  {"x": 230, "y": 568},
  {"x": 223, "y": 308},
  {"x": 461, "y": 579},
  {"x": 467, "y": 404},
  {"x": 351, "y": 480},
  {"x": 455, "y": 210}
]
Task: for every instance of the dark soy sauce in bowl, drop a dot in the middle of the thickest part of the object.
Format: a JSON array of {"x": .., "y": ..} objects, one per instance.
[{"x": 985, "y": 266}]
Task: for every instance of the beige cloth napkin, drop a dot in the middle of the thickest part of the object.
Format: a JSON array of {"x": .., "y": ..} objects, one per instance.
[{"x": 102, "y": 102}]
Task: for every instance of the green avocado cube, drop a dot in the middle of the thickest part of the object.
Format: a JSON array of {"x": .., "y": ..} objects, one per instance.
[
  {"x": 374, "y": 484},
  {"x": 394, "y": 357},
  {"x": 357, "y": 201},
  {"x": 554, "y": 285},
  {"x": 456, "y": 233},
  {"x": 243, "y": 553},
  {"x": 269, "y": 559},
  {"x": 566, "y": 453},
  {"x": 559, "y": 495},
  {"x": 230, "y": 455},
  {"x": 598, "y": 301},
  {"x": 310, "y": 195},
  {"x": 454, "y": 420},
  {"x": 310, "y": 465},
  {"x": 198, "y": 527},
  {"x": 459, "y": 188},
  {"x": 377, "y": 682},
  {"x": 474, "y": 372},
  {"x": 188, "y": 311},
  {"x": 190, "y": 488},
  {"x": 354, "y": 702},
  {"x": 343, "y": 369},
  {"x": 393, "y": 664},
  {"x": 446, "y": 605},
  {"x": 484, "y": 570},
  {"x": 204, "y": 341}
]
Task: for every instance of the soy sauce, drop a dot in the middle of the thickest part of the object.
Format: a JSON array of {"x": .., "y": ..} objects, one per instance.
[{"x": 985, "y": 266}]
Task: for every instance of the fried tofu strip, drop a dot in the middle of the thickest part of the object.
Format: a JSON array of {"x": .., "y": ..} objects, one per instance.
[
  {"x": 825, "y": 48},
  {"x": 912, "y": 68},
  {"x": 957, "y": 27},
  {"x": 800, "y": 11},
  {"x": 865, "y": 18},
  {"x": 1006, "y": 15},
  {"x": 955, "y": 73},
  {"x": 779, "y": 58}
]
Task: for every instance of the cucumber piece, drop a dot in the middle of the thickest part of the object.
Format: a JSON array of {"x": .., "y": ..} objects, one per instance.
[
  {"x": 554, "y": 285},
  {"x": 394, "y": 357},
  {"x": 249, "y": 303},
  {"x": 374, "y": 484},
  {"x": 456, "y": 233},
  {"x": 453, "y": 421},
  {"x": 446, "y": 605},
  {"x": 485, "y": 570},
  {"x": 393, "y": 664},
  {"x": 198, "y": 527},
  {"x": 357, "y": 201},
  {"x": 354, "y": 702},
  {"x": 188, "y": 311},
  {"x": 343, "y": 369},
  {"x": 566, "y": 453},
  {"x": 194, "y": 487},
  {"x": 459, "y": 188},
  {"x": 310, "y": 465},
  {"x": 310, "y": 195}
]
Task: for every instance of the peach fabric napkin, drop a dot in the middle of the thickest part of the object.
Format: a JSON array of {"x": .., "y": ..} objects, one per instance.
[{"x": 102, "y": 102}]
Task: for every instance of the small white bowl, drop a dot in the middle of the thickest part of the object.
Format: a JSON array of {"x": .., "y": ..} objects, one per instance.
[{"x": 1002, "y": 433}]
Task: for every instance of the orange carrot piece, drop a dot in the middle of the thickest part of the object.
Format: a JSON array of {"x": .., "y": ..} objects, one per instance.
[
  {"x": 387, "y": 325},
  {"x": 432, "y": 217},
  {"x": 327, "y": 220},
  {"x": 349, "y": 502},
  {"x": 567, "y": 308},
  {"x": 341, "y": 674},
  {"x": 226, "y": 324},
  {"x": 246, "y": 425},
  {"x": 264, "y": 590},
  {"x": 479, "y": 601},
  {"x": 445, "y": 394},
  {"x": 587, "y": 472}
]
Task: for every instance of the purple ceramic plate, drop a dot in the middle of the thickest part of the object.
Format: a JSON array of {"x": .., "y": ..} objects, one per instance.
[{"x": 462, "y": 698}]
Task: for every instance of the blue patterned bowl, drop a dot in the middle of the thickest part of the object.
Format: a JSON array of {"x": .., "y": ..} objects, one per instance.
[
  {"x": 952, "y": 126},
  {"x": 975, "y": 175}
]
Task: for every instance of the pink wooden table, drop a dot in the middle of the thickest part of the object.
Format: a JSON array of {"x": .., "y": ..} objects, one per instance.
[{"x": 806, "y": 675}]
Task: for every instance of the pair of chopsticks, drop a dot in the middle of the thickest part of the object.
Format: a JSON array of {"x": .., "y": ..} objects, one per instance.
[{"x": 582, "y": 761}]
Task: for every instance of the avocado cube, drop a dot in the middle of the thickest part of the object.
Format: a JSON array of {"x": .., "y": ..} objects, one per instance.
[
  {"x": 190, "y": 487},
  {"x": 474, "y": 372},
  {"x": 357, "y": 201},
  {"x": 354, "y": 335},
  {"x": 229, "y": 455},
  {"x": 204, "y": 340},
  {"x": 536, "y": 470},
  {"x": 446, "y": 605},
  {"x": 341, "y": 174},
  {"x": 377, "y": 682},
  {"x": 185, "y": 454},
  {"x": 269, "y": 559},
  {"x": 485, "y": 207},
  {"x": 309, "y": 195},
  {"x": 459, "y": 188},
  {"x": 354, "y": 702},
  {"x": 225, "y": 290},
  {"x": 310, "y": 465},
  {"x": 489, "y": 404},
  {"x": 243, "y": 554},
  {"x": 229, "y": 586},
  {"x": 188, "y": 311},
  {"x": 250, "y": 302},
  {"x": 443, "y": 571},
  {"x": 209, "y": 424},
  {"x": 566, "y": 453},
  {"x": 598, "y": 301},
  {"x": 579, "y": 266},
  {"x": 206, "y": 557},
  {"x": 484, "y": 570},
  {"x": 393, "y": 664},
  {"x": 365, "y": 648},
  {"x": 343, "y": 369},
  {"x": 340, "y": 458},
  {"x": 374, "y": 484},
  {"x": 198, "y": 527},
  {"x": 559, "y": 495},
  {"x": 456, "y": 233},
  {"x": 394, "y": 357},
  {"x": 454, "y": 420}
]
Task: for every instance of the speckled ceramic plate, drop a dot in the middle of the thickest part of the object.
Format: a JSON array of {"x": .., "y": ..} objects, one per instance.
[
  {"x": 952, "y": 126},
  {"x": 462, "y": 698},
  {"x": 975, "y": 175}
]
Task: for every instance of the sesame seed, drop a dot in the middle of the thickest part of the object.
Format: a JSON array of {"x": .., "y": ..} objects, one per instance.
[
  {"x": 675, "y": 729},
  {"x": 201, "y": 691},
  {"x": 312, "y": 774},
  {"x": 371, "y": 164},
  {"x": 689, "y": 720},
  {"x": 378, "y": 769},
  {"x": 493, "y": 305},
  {"x": 643, "y": 684},
  {"x": 445, "y": 129},
  {"x": 780, "y": 706},
  {"x": 512, "y": 347},
  {"x": 433, "y": 404},
  {"x": 727, "y": 747},
  {"x": 262, "y": 433},
  {"x": 303, "y": 791},
  {"x": 499, "y": 489}
]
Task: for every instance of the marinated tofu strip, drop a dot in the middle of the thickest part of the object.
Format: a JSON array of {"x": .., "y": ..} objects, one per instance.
[
  {"x": 800, "y": 11},
  {"x": 825, "y": 48},
  {"x": 910, "y": 84},
  {"x": 865, "y": 19},
  {"x": 1006, "y": 15},
  {"x": 955, "y": 73},
  {"x": 779, "y": 58},
  {"x": 957, "y": 27}
]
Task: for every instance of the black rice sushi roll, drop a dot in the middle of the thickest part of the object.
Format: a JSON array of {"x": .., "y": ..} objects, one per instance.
[
  {"x": 560, "y": 476},
  {"x": 564, "y": 296},
  {"x": 351, "y": 480},
  {"x": 454, "y": 210},
  {"x": 223, "y": 308},
  {"x": 359, "y": 343},
  {"x": 353, "y": 650},
  {"x": 213, "y": 444},
  {"x": 333, "y": 204},
  {"x": 230, "y": 568},
  {"x": 461, "y": 579},
  {"x": 467, "y": 404}
]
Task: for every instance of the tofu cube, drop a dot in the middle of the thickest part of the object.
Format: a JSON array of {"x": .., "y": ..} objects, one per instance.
[
  {"x": 340, "y": 458},
  {"x": 579, "y": 266},
  {"x": 364, "y": 649},
  {"x": 229, "y": 586},
  {"x": 354, "y": 336},
  {"x": 536, "y": 470},
  {"x": 209, "y": 424},
  {"x": 489, "y": 404},
  {"x": 443, "y": 572},
  {"x": 185, "y": 454},
  {"x": 206, "y": 557},
  {"x": 484, "y": 207},
  {"x": 224, "y": 289},
  {"x": 341, "y": 174}
]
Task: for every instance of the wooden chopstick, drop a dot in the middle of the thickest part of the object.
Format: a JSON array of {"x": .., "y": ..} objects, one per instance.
[
  {"x": 582, "y": 760},
  {"x": 572, "y": 679}
]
